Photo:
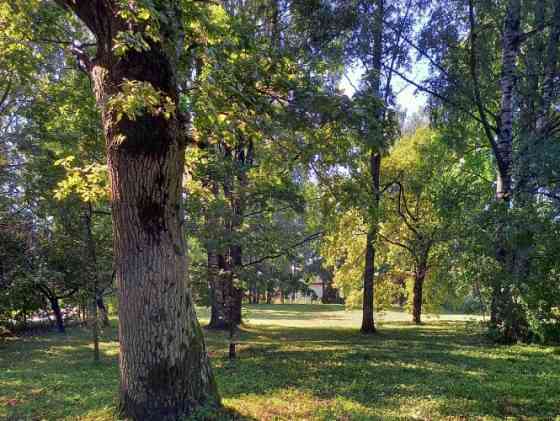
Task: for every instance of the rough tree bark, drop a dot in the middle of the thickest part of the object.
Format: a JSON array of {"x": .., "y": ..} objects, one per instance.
[{"x": 164, "y": 366}]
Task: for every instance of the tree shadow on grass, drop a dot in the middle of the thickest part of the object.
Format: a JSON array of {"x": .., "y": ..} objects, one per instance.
[
  {"x": 54, "y": 377},
  {"x": 450, "y": 372},
  {"x": 323, "y": 373}
]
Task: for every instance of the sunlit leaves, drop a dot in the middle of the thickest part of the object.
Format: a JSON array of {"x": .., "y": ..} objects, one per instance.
[
  {"x": 88, "y": 182},
  {"x": 138, "y": 97},
  {"x": 343, "y": 249}
]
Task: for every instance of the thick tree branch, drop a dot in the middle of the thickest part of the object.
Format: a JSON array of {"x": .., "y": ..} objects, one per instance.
[{"x": 89, "y": 11}]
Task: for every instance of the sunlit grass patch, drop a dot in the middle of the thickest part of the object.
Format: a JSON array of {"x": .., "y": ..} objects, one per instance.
[{"x": 441, "y": 370}]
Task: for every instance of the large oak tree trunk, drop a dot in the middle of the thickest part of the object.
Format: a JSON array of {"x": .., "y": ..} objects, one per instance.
[{"x": 165, "y": 371}]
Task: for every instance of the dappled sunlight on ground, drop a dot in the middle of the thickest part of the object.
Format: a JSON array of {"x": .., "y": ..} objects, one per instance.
[
  {"x": 329, "y": 315},
  {"x": 289, "y": 370}
]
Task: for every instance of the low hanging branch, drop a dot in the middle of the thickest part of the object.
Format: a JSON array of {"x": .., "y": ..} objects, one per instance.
[{"x": 284, "y": 251}]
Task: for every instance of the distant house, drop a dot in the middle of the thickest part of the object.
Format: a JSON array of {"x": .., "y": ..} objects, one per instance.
[
  {"x": 324, "y": 291},
  {"x": 317, "y": 287},
  {"x": 317, "y": 291}
]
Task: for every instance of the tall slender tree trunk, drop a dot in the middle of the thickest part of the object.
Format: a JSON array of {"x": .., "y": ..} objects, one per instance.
[
  {"x": 235, "y": 187},
  {"x": 502, "y": 148},
  {"x": 59, "y": 319},
  {"x": 216, "y": 272},
  {"x": 103, "y": 311},
  {"x": 550, "y": 82},
  {"x": 236, "y": 291},
  {"x": 218, "y": 311},
  {"x": 368, "y": 324},
  {"x": 503, "y": 314},
  {"x": 93, "y": 284},
  {"x": 164, "y": 366},
  {"x": 417, "y": 297}
]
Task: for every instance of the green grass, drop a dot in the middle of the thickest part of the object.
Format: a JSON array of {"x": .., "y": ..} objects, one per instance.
[{"x": 288, "y": 370}]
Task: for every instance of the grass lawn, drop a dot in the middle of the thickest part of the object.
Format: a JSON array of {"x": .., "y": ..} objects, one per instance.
[{"x": 306, "y": 362}]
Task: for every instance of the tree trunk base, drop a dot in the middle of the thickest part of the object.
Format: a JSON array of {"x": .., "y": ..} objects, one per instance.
[
  {"x": 217, "y": 326},
  {"x": 220, "y": 325},
  {"x": 368, "y": 329},
  {"x": 128, "y": 410}
]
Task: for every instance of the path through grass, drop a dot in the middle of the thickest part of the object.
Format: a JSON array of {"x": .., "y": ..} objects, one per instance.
[{"x": 289, "y": 370}]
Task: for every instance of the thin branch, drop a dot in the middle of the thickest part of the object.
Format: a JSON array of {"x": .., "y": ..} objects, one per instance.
[
  {"x": 434, "y": 63},
  {"x": 436, "y": 95},
  {"x": 396, "y": 243},
  {"x": 284, "y": 251},
  {"x": 402, "y": 197}
]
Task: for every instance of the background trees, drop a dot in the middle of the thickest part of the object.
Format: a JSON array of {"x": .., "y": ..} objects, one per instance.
[
  {"x": 431, "y": 190},
  {"x": 505, "y": 97}
]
